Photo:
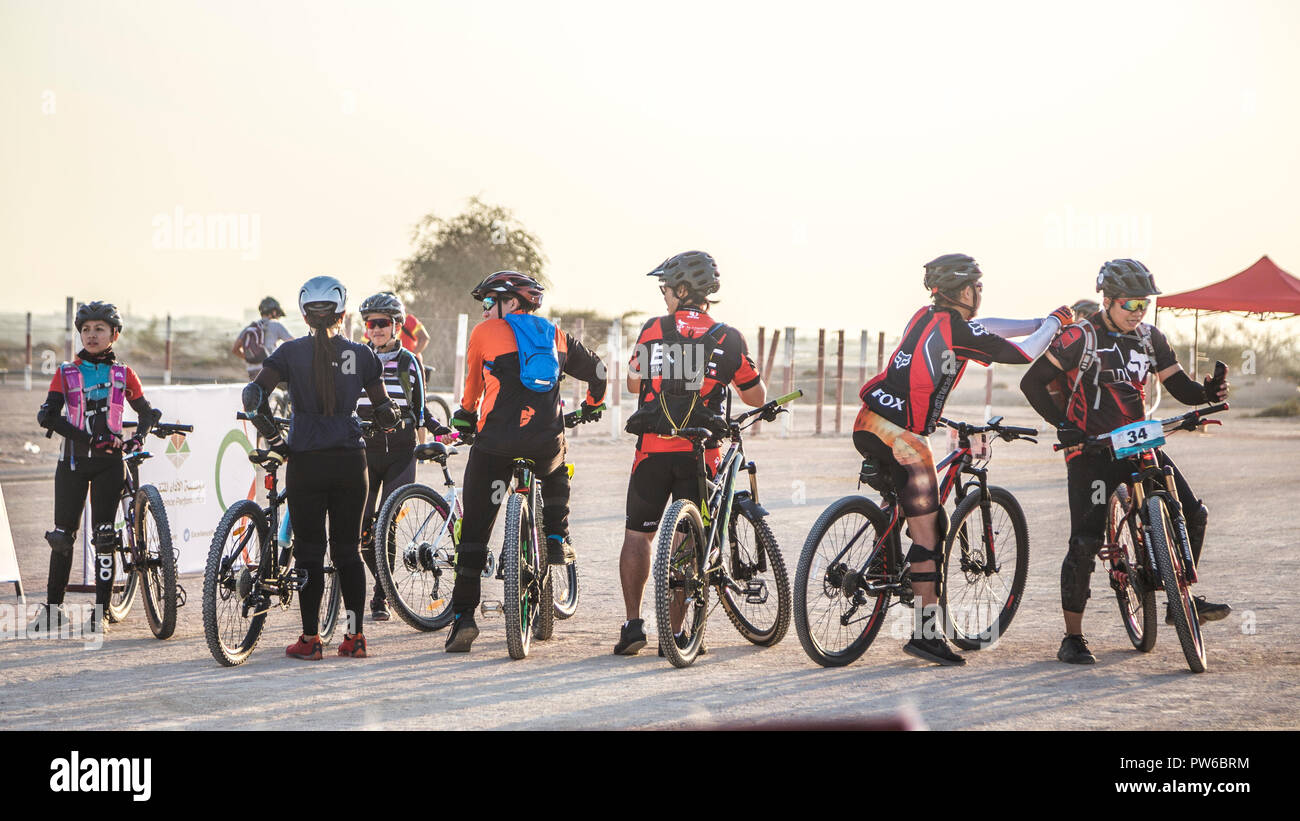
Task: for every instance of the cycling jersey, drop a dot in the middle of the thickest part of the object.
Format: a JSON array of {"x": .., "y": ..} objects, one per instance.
[
  {"x": 728, "y": 364},
  {"x": 1112, "y": 393},
  {"x": 513, "y": 420},
  {"x": 930, "y": 361},
  {"x": 356, "y": 368},
  {"x": 404, "y": 384},
  {"x": 96, "y": 388}
]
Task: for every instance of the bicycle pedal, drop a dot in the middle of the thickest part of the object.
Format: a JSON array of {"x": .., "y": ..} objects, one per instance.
[
  {"x": 180, "y": 596},
  {"x": 756, "y": 592},
  {"x": 296, "y": 579},
  {"x": 491, "y": 608}
]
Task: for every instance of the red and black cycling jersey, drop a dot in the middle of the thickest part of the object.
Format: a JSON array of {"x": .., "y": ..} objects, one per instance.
[
  {"x": 513, "y": 420},
  {"x": 1112, "y": 393},
  {"x": 727, "y": 363},
  {"x": 928, "y": 363}
]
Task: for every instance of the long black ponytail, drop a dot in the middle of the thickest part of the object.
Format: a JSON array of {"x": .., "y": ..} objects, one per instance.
[{"x": 323, "y": 362}]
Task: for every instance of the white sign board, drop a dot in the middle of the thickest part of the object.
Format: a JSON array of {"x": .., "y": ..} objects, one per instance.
[
  {"x": 198, "y": 475},
  {"x": 8, "y": 558}
]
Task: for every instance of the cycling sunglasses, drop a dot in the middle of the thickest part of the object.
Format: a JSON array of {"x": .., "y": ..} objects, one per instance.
[
  {"x": 379, "y": 322},
  {"x": 489, "y": 302},
  {"x": 1135, "y": 304}
]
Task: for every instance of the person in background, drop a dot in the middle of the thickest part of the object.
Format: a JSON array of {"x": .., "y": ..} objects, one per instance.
[{"x": 260, "y": 338}]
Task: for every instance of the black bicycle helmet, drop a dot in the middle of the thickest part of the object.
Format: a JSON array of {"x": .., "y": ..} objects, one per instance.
[
  {"x": 1123, "y": 278},
  {"x": 270, "y": 306},
  {"x": 1085, "y": 307},
  {"x": 950, "y": 272},
  {"x": 385, "y": 302},
  {"x": 510, "y": 283},
  {"x": 105, "y": 311},
  {"x": 695, "y": 269}
]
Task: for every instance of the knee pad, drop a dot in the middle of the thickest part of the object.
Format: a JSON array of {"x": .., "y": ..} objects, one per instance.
[
  {"x": 1080, "y": 561},
  {"x": 470, "y": 559},
  {"x": 60, "y": 541},
  {"x": 916, "y": 553}
]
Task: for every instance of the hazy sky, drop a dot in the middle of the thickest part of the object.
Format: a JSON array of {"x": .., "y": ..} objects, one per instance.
[{"x": 821, "y": 152}]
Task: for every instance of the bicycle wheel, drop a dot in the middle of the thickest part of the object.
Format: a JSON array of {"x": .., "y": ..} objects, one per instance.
[
  {"x": 1169, "y": 560},
  {"x": 158, "y": 576},
  {"x": 438, "y": 407},
  {"x": 761, "y": 611},
  {"x": 126, "y": 581},
  {"x": 681, "y": 584},
  {"x": 836, "y": 619},
  {"x": 980, "y": 598},
  {"x": 330, "y": 605},
  {"x": 519, "y": 606},
  {"x": 564, "y": 588},
  {"x": 542, "y": 588},
  {"x": 1137, "y": 603},
  {"x": 236, "y": 559},
  {"x": 415, "y": 556}
]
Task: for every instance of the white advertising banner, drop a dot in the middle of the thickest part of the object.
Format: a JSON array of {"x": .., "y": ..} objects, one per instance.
[
  {"x": 8, "y": 559},
  {"x": 198, "y": 475}
]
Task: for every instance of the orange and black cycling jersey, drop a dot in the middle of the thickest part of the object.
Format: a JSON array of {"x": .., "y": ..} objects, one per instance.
[
  {"x": 513, "y": 420},
  {"x": 728, "y": 364}
]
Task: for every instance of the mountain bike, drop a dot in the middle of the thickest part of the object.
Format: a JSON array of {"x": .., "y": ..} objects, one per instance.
[
  {"x": 250, "y": 570},
  {"x": 723, "y": 543},
  {"x": 852, "y": 561},
  {"x": 530, "y": 601},
  {"x": 144, "y": 552},
  {"x": 1146, "y": 546}
]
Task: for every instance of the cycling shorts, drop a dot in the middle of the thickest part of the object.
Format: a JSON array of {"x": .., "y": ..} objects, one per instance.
[
  {"x": 905, "y": 455},
  {"x": 655, "y": 477}
]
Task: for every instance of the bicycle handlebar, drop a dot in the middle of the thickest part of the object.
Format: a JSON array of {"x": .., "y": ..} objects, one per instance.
[
  {"x": 576, "y": 418},
  {"x": 162, "y": 429},
  {"x": 774, "y": 406},
  {"x": 245, "y": 416},
  {"x": 1007, "y": 433},
  {"x": 1185, "y": 421}
]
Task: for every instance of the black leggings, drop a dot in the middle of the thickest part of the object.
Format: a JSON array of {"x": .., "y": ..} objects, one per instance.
[
  {"x": 329, "y": 482},
  {"x": 487, "y": 478},
  {"x": 104, "y": 479},
  {"x": 388, "y": 470}
]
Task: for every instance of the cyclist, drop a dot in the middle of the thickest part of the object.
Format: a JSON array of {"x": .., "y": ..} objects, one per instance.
[
  {"x": 257, "y": 341},
  {"x": 1097, "y": 396},
  {"x": 84, "y": 405},
  {"x": 902, "y": 404},
  {"x": 326, "y": 473},
  {"x": 412, "y": 335},
  {"x": 506, "y": 419},
  {"x": 390, "y": 456},
  {"x": 1084, "y": 308},
  {"x": 665, "y": 465}
]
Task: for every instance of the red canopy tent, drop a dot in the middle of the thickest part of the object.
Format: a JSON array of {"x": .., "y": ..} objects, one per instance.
[{"x": 1262, "y": 290}]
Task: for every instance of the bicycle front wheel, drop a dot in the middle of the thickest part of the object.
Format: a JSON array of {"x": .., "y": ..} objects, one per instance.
[
  {"x": 158, "y": 575},
  {"x": 1137, "y": 602},
  {"x": 681, "y": 583},
  {"x": 1169, "y": 560},
  {"x": 835, "y": 616},
  {"x": 761, "y": 609},
  {"x": 564, "y": 588},
  {"x": 415, "y": 556},
  {"x": 232, "y": 616},
  {"x": 330, "y": 604},
  {"x": 986, "y": 562}
]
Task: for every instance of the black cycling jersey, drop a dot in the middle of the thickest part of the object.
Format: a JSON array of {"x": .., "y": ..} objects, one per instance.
[{"x": 357, "y": 367}]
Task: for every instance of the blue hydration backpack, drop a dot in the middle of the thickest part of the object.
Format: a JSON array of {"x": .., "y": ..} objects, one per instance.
[{"x": 539, "y": 363}]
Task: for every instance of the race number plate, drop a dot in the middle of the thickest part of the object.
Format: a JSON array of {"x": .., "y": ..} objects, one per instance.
[{"x": 1136, "y": 438}]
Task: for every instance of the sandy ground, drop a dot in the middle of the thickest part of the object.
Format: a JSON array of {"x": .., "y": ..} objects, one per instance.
[{"x": 1251, "y": 560}]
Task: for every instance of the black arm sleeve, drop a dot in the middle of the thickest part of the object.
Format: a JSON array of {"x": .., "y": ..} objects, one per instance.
[
  {"x": 147, "y": 415},
  {"x": 51, "y": 417},
  {"x": 1182, "y": 388},
  {"x": 585, "y": 365},
  {"x": 1034, "y": 387},
  {"x": 269, "y": 378}
]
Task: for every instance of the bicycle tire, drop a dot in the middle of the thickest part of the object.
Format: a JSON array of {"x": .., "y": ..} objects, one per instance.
[
  {"x": 1137, "y": 607},
  {"x": 542, "y": 588},
  {"x": 330, "y": 605},
  {"x": 416, "y": 576},
  {"x": 679, "y": 566},
  {"x": 744, "y": 563},
  {"x": 564, "y": 587},
  {"x": 1169, "y": 561},
  {"x": 519, "y": 630},
  {"x": 122, "y": 598},
  {"x": 978, "y": 595},
  {"x": 815, "y": 573},
  {"x": 432, "y": 400},
  {"x": 158, "y": 576},
  {"x": 221, "y": 586}
]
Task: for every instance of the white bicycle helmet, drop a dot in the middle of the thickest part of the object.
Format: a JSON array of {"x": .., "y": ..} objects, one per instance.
[{"x": 323, "y": 289}]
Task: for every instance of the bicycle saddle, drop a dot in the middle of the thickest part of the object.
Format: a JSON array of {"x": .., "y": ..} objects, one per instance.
[{"x": 437, "y": 451}]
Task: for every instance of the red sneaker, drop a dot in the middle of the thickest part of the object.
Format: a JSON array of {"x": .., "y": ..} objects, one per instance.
[
  {"x": 303, "y": 649},
  {"x": 354, "y": 646}
]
